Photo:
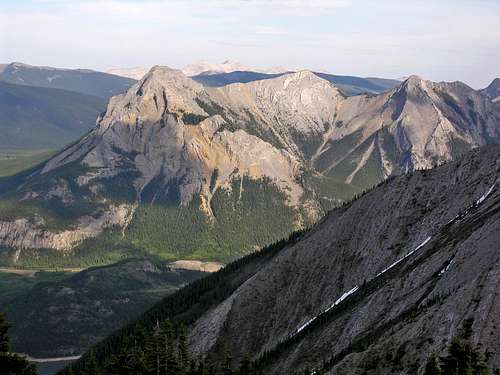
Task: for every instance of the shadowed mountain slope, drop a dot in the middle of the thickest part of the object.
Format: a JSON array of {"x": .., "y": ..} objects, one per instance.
[{"x": 375, "y": 287}]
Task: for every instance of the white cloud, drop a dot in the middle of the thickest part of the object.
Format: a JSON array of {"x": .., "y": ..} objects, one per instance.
[{"x": 457, "y": 40}]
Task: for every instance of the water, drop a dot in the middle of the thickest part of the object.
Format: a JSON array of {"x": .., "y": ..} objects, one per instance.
[{"x": 50, "y": 368}]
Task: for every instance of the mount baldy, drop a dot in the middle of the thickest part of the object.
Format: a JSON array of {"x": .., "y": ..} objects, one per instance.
[{"x": 186, "y": 171}]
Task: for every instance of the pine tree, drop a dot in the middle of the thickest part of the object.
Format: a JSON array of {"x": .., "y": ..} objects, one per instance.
[
  {"x": 90, "y": 367},
  {"x": 432, "y": 368},
  {"x": 246, "y": 367},
  {"x": 12, "y": 364},
  {"x": 183, "y": 351},
  {"x": 154, "y": 352},
  {"x": 227, "y": 367},
  {"x": 4, "y": 338}
]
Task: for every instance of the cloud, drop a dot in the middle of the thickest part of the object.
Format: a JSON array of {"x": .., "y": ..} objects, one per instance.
[{"x": 449, "y": 39}]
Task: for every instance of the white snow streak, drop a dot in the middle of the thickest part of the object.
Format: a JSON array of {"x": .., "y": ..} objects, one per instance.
[
  {"x": 446, "y": 268},
  {"x": 485, "y": 195},
  {"x": 406, "y": 256},
  {"x": 342, "y": 297},
  {"x": 353, "y": 290}
]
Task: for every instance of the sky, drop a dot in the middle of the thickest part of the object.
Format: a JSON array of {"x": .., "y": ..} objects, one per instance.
[{"x": 441, "y": 40}]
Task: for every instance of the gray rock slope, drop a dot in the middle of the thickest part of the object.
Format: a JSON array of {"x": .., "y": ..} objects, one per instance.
[
  {"x": 169, "y": 139},
  {"x": 405, "y": 266},
  {"x": 493, "y": 90},
  {"x": 374, "y": 288}
]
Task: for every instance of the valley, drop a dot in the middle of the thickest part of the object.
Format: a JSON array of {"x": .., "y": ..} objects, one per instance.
[
  {"x": 241, "y": 166},
  {"x": 345, "y": 298},
  {"x": 285, "y": 187},
  {"x": 201, "y": 194}
]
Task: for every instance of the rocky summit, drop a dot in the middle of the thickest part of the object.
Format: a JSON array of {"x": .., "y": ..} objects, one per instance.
[{"x": 185, "y": 171}]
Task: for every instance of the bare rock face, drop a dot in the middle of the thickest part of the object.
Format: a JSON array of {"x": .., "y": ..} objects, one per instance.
[
  {"x": 400, "y": 270},
  {"x": 25, "y": 234},
  {"x": 415, "y": 126},
  {"x": 169, "y": 140},
  {"x": 375, "y": 287},
  {"x": 493, "y": 90}
]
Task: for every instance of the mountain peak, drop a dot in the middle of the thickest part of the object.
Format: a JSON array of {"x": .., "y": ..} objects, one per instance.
[
  {"x": 495, "y": 83},
  {"x": 204, "y": 67},
  {"x": 414, "y": 80},
  {"x": 166, "y": 79},
  {"x": 493, "y": 90},
  {"x": 303, "y": 76}
]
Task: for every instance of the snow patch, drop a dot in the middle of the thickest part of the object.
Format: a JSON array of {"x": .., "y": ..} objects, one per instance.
[
  {"x": 342, "y": 297},
  {"x": 445, "y": 268},
  {"x": 485, "y": 195},
  {"x": 339, "y": 300},
  {"x": 406, "y": 256}
]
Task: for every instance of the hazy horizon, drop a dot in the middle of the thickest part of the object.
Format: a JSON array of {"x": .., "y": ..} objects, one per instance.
[{"x": 449, "y": 41}]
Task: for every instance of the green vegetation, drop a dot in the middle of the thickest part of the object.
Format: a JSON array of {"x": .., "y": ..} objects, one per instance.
[
  {"x": 57, "y": 215},
  {"x": 12, "y": 285},
  {"x": 164, "y": 351},
  {"x": 462, "y": 358},
  {"x": 250, "y": 215},
  {"x": 369, "y": 174},
  {"x": 192, "y": 118},
  {"x": 78, "y": 310},
  {"x": 88, "y": 82},
  {"x": 37, "y": 118},
  {"x": 337, "y": 150},
  {"x": 107, "y": 248},
  {"x": 186, "y": 305},
  {"x": 17, "y": 161},
  {"x": 10, "y": 363},
  {"x": 458, "y": 147},
  {"x": 329, "y": 191}
]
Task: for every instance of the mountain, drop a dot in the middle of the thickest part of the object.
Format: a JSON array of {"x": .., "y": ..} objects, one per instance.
[
  {"x": 375, "y": 287},
  {"x": 493, "y": 90},
  {"x": 80, "y": 310},
  {"x": 83, "y": 81},
  {"x": 134, "y": 73},
  {"x": 349, "y": 85},
  {"x": 228, "y": 66},
  {"x": 223, "y": 79},
  {"x": 190, "y": 172},
  {"x": 44, "y": 118}
]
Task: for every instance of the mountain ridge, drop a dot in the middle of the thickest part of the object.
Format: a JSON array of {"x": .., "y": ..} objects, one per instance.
[
  {"x": 377, "y": 285},
  {"x": 84, "y": 81},
  {"x": 180, "y": 147}
]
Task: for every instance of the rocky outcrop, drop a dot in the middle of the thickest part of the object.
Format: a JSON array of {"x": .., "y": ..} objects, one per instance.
[
  {"x": 399, "y": 270},
  {"x": 27, "y": 234},
  {"x": 170, "y": 140},
  {"x": 493, "y": 90}
]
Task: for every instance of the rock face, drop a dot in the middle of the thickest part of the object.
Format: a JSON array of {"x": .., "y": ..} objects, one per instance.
[
  {"x": 414, "y": 126},
  {"x": 408, "y": 263},
  {"x": 375, "y": 287},
  {"x": 449, "y": 217},
  {"x": 171, "y": 142},
  {"x": 493, "y": 90},
  {"x": 23, "y": 234}
]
